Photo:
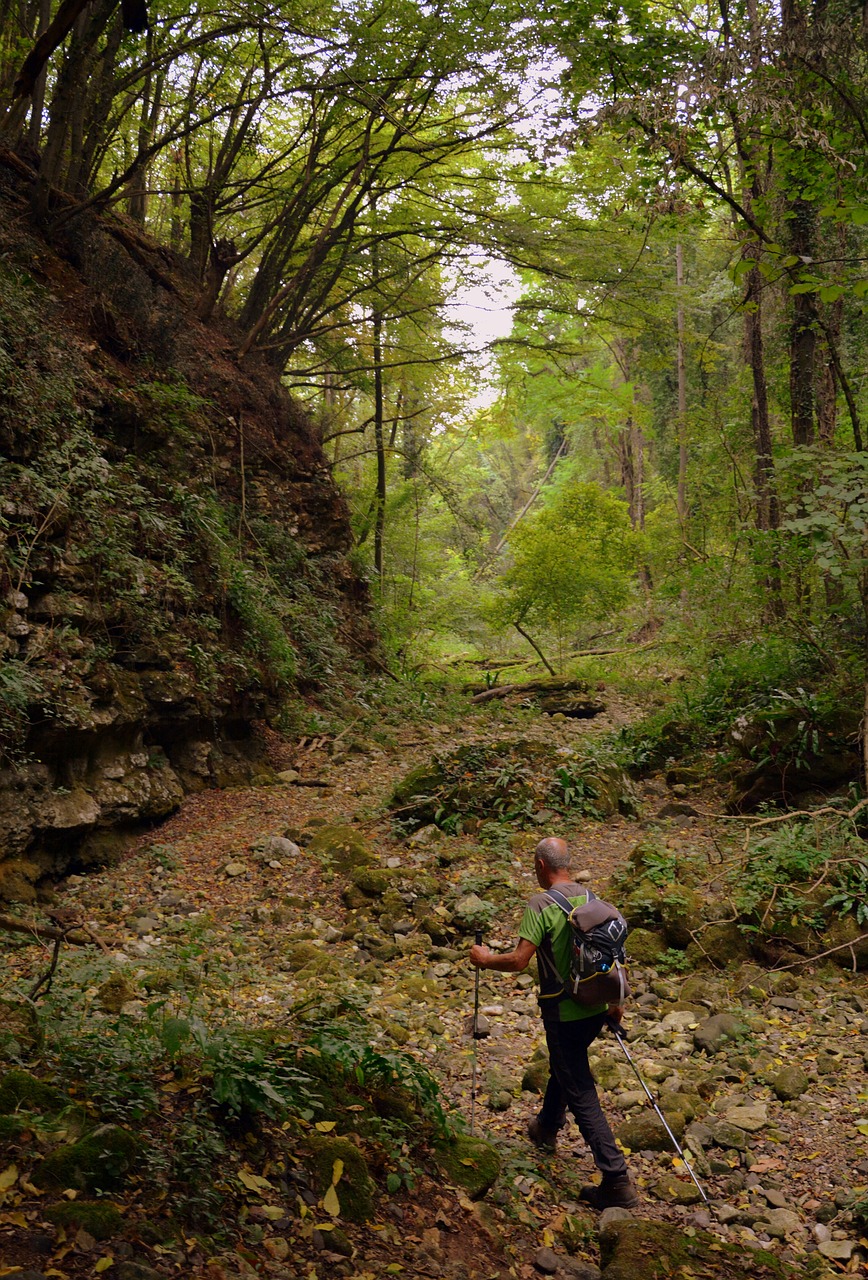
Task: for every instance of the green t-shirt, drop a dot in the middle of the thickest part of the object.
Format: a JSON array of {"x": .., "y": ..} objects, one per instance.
[{"x": 545, "y": 925}]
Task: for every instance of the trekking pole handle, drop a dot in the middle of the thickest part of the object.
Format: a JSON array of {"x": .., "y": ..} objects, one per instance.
[{"x": 478, "y": 938}]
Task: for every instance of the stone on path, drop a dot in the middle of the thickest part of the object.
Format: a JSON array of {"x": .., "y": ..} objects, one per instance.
[
  {"x": 837, "y": 1250},
  {"x": 646, "y": 1132},
  {"x": 751, "y": 1118},
  {"x": 779, "y": 1222},
  {"x": 676, "y": 1190},
  {"x": 716, "y": 1031},
  {"x": 790, "y": 1083}
]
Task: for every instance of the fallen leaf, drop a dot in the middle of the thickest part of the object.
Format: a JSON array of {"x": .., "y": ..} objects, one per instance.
[
  {"x": 325, "y": 1126},
  {"x": 330, "y": 1202},
  {"x": 253, "y": 1182},
  {"x": 8, "y": 1177},
  {"x": 337, "y": 1170},
  {"x": 13, "y": 1220},
  {"x": 104, "y": 1263}
]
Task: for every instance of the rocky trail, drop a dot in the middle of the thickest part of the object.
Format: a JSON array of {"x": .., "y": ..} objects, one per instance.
[{"x": 272, "y": 896}]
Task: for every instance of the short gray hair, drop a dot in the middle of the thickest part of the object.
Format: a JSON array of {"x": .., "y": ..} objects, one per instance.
[{"x": 554, "y": 853}]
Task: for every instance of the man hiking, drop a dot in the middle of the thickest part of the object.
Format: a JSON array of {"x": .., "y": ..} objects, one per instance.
[{"x": 569, "y": 1027}]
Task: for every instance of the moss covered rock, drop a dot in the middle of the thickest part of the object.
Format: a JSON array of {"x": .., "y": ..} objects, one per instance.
[
  {"x": 20, "y": 1032},
  {"x": 373, "y": 881},
  {"x": 418, "y": 788},
  {"x": 99, "y": 1218},
  {"x": 640, "y": 904},
  {"x": 536, "y": 1074},
  {"x": 20, "y": 1091},
  {"x": 300, "y": 954},
  {"x": 632, "y": 1249},
  {"x": 114, "y": 993},
  {"x": 723, "y": 944},
  {"x": 681, "y": 913},
  {"x": 355, "y": 1189},
  {"x": 644, "y": 947},
  {"x": 646, "y": 1131},
  {"x": 12, "y": 1127},
  {"x": 846, "y": 935},
  {"x": 98, "y": 1162},
  {"x": 789, "y": 1083},
  {"x": 343, "y": 846},
  {"x": 469, "y": 1163}
]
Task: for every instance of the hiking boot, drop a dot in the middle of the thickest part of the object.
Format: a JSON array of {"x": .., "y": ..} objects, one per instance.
[
  {"x": 545, "y": 1139},
  {"x": 611, "y": 1193}
]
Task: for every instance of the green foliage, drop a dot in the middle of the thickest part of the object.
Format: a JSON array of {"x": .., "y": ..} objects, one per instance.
[
  {"x": 850, "y": 896},
  {"x": 672, "y": 961},
  {"x": 574, "y": 790},
  {"x": 20, "y": 688},
  {"x": 344, "y": 1045},
  {"x": 781, "y": 868},
  {"x": 660, "y": 865},
  {"x": 572, "y": 559}
]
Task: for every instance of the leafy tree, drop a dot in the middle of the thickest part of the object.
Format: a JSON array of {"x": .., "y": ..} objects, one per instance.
[{"x": 572, "y": 561}]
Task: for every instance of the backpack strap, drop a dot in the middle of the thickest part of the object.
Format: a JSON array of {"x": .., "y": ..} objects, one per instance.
[{"x": 560, "y": 900}]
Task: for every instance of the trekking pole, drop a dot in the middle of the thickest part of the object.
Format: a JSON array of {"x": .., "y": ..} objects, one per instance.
[
  {"x": 475, "y": 1035},
  {"x": 615, "y": 1028}
]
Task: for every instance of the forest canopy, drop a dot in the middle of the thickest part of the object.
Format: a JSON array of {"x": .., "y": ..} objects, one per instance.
[{"x": 671, "y": 202}]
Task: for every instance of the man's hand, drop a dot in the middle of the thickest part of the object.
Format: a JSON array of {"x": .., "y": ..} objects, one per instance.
[
  {"x": 503, "y": 961},
  {"x": 616, "y": 1012}
]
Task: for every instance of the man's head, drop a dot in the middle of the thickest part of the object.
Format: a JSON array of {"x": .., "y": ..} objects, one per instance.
[{"x": 551, "y": 858}]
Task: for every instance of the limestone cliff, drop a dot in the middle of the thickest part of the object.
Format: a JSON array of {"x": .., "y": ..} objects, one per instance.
[{"x": 173, "y": 551}]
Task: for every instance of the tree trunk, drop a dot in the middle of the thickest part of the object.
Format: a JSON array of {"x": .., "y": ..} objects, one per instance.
[
  {"x": 682, "y": 395},
  {"x": 34, "y": 130},
  {"x": 537, "y": 650},
  {"x": 803, "y": 338},
  {"x": 380, "y": 512}
]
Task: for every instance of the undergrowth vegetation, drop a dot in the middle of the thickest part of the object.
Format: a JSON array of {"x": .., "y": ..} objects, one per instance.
[{"x": 202, "y": 1094}]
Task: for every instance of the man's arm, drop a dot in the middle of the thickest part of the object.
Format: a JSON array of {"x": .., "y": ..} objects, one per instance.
[{"x": 508, "y": 961}]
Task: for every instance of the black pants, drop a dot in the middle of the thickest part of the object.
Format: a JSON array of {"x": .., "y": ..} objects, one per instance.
[{"x": 571, "y": 1085}]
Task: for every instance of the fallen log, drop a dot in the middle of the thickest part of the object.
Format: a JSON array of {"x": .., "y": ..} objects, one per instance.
[
  {"x": 46, "y": 931},
  {"x": 482, "y": 693}
]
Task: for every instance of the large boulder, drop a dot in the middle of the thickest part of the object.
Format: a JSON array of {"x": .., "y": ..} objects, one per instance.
[
  {"x": 20, "y": 1091},
  {"x": 849, "y": 941},
  {"x": 644, "y": 947},
  {"x": 797, "y": 749}
]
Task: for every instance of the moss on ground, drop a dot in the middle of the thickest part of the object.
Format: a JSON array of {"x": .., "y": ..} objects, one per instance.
[
  {"x": 19, "y": 1090},
  {"x": 355, "y": 1189},
  {"x": 20, "y": 1032},
  {"x": 98, "y": 1162},
  {"x": 470, "y": 1163},
  {"x": 100, "y": 1218},
  {"x": 639, "y": 1250},
  {"x": 343, "y": 846}
]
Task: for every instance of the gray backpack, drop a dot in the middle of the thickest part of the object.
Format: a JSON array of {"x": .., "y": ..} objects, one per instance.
[{"x": 597, "y": 960}]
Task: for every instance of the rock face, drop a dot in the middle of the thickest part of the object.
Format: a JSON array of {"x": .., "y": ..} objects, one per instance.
[{"x": 145, "y": 627}]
